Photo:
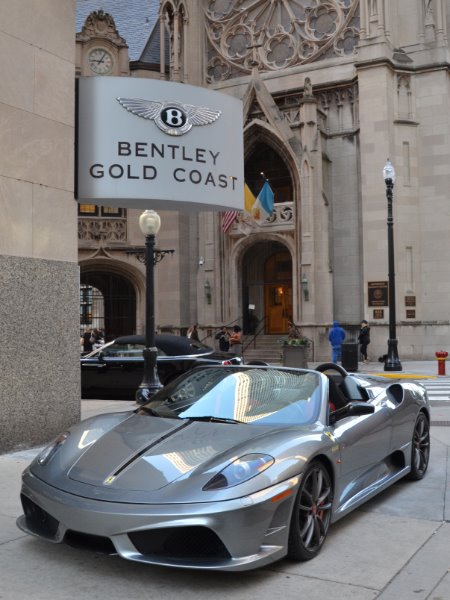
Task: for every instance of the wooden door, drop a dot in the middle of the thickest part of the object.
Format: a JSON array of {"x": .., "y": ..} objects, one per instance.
[{"x": 278, "y": 304}]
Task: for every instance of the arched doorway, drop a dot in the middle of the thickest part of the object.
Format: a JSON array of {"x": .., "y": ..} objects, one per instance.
[
  {"x": 108, "y": 302},
  {"x": 267, "y": 287}
]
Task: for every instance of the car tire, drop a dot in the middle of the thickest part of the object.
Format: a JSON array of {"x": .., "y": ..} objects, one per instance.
[
  {"x": 311, "y": 515},
  {"x": 420, "y": 451}
]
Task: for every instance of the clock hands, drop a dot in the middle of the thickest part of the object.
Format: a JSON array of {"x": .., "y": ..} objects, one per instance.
[{"x": 100, "y": 60}]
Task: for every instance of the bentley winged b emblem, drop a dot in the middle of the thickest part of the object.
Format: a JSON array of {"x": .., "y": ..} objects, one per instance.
[{"x": 171, "y": 117}]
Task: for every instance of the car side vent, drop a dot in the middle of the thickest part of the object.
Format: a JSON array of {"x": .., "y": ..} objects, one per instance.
[
  {"x": 38, "y": 520},
  {"x": 395, "y": 393}
]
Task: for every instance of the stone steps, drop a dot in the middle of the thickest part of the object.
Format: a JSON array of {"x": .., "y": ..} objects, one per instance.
[{"x": 267, "y": 349}]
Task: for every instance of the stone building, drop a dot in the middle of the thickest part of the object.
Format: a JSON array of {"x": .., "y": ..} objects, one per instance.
[
  {"x": 39, "y": 274},
  {"x": 330, "y": 90}
]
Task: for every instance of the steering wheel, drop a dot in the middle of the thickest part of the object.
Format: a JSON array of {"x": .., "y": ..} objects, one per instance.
[{"x": 331, "y": 367}]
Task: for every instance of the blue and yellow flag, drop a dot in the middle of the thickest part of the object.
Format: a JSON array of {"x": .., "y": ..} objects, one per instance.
[{"x": 263, "y": 207}]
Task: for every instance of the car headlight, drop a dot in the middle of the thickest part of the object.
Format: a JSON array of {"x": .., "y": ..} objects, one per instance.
[
  {"x": 46, "y": 454},
  {"x": 240, "y": 470}
]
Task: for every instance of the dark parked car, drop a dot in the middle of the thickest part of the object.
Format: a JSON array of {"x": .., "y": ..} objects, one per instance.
[
  {"x": 229, "y": 467},
  {"x": 116, "y": 369}
]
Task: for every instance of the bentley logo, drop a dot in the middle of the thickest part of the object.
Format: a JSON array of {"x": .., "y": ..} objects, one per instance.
[{"x": 171, "y": 117}]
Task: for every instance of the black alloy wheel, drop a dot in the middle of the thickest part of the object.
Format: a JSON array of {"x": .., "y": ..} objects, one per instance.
[
  {"x": 420, "y": 452},
  {"x": 311, "y": 516}
]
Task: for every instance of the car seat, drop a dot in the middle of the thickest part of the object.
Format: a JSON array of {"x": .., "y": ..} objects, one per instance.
[{"x": 336, "y": 398}]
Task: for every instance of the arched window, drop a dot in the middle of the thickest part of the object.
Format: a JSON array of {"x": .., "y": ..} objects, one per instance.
[
  {"x": 264, "y": 159},
  {"x": 108, "y": 302}
]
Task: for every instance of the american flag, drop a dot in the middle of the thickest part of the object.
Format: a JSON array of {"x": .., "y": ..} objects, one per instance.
[{"x": 228, "y": 218}]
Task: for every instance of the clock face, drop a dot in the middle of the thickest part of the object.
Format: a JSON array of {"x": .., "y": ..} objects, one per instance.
[{"x": 100, "y": 61}]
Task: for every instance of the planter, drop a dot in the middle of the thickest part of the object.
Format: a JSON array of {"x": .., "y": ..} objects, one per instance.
[{"x": 295, "y": 356}]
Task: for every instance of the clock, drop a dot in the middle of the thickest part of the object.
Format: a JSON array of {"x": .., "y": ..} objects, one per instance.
[{"x": 100, "y": 61}]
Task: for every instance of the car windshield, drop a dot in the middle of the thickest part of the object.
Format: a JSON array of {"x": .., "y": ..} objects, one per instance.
[{"x": 250, "y": 395}]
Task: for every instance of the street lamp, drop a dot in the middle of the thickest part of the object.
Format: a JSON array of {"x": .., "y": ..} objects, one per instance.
[
  {"x": 392, "y": 361},
  {"x": 150, "y": 223}
]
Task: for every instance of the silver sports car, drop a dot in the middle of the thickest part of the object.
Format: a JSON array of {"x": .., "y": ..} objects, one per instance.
[{"x": 228, "y": 467}]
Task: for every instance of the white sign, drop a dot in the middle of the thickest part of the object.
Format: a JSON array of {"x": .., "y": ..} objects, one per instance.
[{"x": 145, "y": 143}]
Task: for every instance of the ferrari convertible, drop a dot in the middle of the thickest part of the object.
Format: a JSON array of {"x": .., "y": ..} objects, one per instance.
[{"x": 228, "y": 467}]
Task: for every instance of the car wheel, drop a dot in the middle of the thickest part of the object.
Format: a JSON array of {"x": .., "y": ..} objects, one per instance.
[
  {"x": 311, "y": 516},
  {"x": 420, "y": 452}
]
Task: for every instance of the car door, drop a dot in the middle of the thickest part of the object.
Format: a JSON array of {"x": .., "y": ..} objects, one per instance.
[
  {"x": 364, "y": 442},
  {"x": 114, "y": 373}
]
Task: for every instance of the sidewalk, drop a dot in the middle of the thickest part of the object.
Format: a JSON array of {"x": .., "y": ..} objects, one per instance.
[
  {"x": 395, "y": 547},
  {"x": 410, "y": 368}
]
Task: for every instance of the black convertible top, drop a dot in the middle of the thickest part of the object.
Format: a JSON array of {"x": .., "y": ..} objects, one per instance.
[{"x": 171, "y": 345}]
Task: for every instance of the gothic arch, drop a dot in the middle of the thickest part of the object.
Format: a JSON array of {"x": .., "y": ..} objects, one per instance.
[
  {"x": 132, "y": 277},
  {"x": 260, "y": 133},
  {"x": 239, "y": 252}
]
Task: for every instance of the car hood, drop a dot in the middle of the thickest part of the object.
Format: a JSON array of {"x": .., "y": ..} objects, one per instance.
[{"x": 143, "y": 454}]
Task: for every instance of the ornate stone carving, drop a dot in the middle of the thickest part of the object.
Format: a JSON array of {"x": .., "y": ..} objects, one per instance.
[
  {"x": 100, "y": 24},
  {"x": 107, "y": 230},
  {"x": 243, "y": 34},
  {"x": 340, "y": 110},
  {"x": 282, "y": 219}
]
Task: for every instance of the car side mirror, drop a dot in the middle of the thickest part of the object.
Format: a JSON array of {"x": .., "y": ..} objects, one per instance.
[
  {"x": 352, "y": 409},
  {"x": 100, "y": 357}
]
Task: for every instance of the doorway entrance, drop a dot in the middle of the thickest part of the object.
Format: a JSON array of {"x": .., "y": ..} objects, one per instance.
[
  {"x": 278, "y": 292},
  {"x": 267, "y": 288}
]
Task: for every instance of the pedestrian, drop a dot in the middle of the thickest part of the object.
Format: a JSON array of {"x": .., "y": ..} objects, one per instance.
[
  {"x": 224, "y": 339},
  {"x": 336, "y": 336},
  {"x": 192, "y": 332},
  {"x": 236, "y": 341},
  {"x": 86, "y": 340},
  {"x": 98, "y": 339},
  {"x": 364, "y": 339}
]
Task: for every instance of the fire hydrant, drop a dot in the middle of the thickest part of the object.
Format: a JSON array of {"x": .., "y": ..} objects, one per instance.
[{"x": 441, "y": 355}]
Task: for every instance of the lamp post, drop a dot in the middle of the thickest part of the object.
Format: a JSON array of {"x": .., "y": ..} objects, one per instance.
[
  {"x": 392, "y": 361},
  {"x": 305, "y": 288},
  {"x": 150, "y": 223}
]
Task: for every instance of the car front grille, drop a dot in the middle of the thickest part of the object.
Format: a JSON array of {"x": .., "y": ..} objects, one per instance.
[
  {"x": 180, "y": 543},
  {"x": 86, "y": 541}
]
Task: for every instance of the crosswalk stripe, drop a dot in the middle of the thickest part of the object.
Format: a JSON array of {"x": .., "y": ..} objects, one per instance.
[{"x": 438, "y": 391}]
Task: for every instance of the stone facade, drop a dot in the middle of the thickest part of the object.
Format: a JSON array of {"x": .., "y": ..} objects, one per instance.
[
  {"x": 337, "y": 90},
  {"x": 40, "y": 382},
  {"x": 330, "y": 90}
]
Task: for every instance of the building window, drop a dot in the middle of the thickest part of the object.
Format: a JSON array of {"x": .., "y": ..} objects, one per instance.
[
  {"x": 88, "y": 210},
  {"x": 92, "y": 308},
  {"x": 92, "y": 210},
  {"x": 111, "y": 211},
  {"x": 265, "y": 160}
]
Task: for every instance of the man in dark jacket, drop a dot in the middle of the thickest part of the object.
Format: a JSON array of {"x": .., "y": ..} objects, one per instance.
[
  {"x": 336, "y": 337},
  {"x": 364, "y": 339},
  {"x": 224, "y": 339}
]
